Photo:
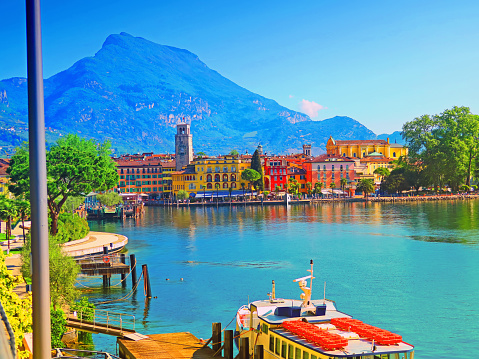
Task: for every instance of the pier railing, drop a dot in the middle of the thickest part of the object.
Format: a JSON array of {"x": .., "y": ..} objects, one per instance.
[{"x": 104, "y": 319}]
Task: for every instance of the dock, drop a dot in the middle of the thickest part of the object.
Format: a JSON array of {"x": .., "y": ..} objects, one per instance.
[{"x": 165, "y": 346}]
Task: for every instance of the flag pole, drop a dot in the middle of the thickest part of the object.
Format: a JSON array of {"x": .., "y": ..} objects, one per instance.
[{"x": 38, "y": 185}]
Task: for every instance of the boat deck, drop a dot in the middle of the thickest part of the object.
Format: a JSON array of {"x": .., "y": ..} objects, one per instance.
[{"x": 165, "y": 346}]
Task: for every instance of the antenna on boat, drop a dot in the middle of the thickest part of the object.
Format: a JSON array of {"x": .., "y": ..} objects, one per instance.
[
  {"x": 324, "y": 298},
  {"x": 311, "y": 283},
  {"x": 273, "y": 292}
]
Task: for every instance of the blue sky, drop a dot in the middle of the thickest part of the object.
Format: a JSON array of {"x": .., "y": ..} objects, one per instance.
[{"x": 380, "y": 62}]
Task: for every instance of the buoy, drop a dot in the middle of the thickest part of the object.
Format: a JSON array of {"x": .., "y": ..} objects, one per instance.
[{"x": 106, "y": 259}]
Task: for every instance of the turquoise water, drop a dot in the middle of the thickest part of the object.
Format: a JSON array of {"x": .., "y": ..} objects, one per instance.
[{"x": 410, "y": 268}]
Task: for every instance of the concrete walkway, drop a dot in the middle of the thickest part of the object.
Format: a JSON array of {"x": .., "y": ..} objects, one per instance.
[{"x": 94, "y": 242}]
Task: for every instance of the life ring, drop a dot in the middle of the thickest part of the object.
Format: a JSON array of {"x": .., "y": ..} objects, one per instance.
[{"x": 106, "y": 259}]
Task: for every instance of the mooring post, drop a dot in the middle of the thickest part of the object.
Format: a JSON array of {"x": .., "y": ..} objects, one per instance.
[
  {"x": 228, "y": 350},
  {"x": 105, "y": 277},
  {"x": 146, "y": 280},
  {"x": 123, "y": 276},
  {"x": 216, "y": 337},
  {"x": 133, "y": 269},
  {"x": 244, "y": 348},
  {"x": 259, "y": 352}
]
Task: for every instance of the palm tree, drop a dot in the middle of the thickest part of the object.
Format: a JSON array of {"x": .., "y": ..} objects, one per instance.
[
  {"x": 8, "y": 210},
  {"x": 332, "y": 186},
  {"x": 217, "y": 186},
  {"x": 382, "y": 172},
  {"x": 230, "y": 190},
  {"x": 243, "y": 186},
  {"x": 23, "y": 208},
  {"x": 343, "y": 183},
  {"x": 317, "y": 187},
  {"x": 366, "y": 186},
  {"x": 203, "y": 187},
  {"x": 308, "y": 187}
]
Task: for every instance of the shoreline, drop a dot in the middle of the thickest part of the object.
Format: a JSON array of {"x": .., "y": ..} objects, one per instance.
[{"x": 388, "y": 199}]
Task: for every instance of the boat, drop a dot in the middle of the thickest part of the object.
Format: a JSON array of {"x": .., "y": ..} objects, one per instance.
[{"x": 313, "y": 329}]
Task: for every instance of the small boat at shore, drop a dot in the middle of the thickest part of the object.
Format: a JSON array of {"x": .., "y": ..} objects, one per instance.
[{"x": 313, "y": 329}]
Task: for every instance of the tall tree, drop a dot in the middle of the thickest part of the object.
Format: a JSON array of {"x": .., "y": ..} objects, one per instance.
[
  {"x": 75, "y": 167},
  {"x": 251, "y": 176},
  {"x": 366, "y": 185},
  {"x": 8, "y": 211},
  {"x": 258, "y": 167}
]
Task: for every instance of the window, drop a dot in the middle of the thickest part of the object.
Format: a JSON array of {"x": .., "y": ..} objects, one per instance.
[
  {"x": 217, "y": 178},
  {"x": 225, "y": 185},
  {"x": 332, "y": 168},
  {"x": 305, "y": 355},
  {"x": 297, "y": 353},
  {"x": 208, "y": 178},
  {"x": 225, "y": 169},
  {"x": 264, "y": 328},
  {"x": 225, "y": 178},
  {"x": 209, "y": 186},
  {"x": 394, "y": 154},
  {"x": 217, "y": 169},
  {"x": 290, "y": 352},
  {"x": 233, "y": 178},
  {"x": 324, "y": 167},
  {"x": 233, "y": 185},
  {"x": 354, "y": 155},
  {"x": 284, "y": 347},
  {"x": 277, "y": 348},
  {"x": 271, "y": 343},
  {"x": 344, "y": 154},
  {"x": 233, "y": 169}
]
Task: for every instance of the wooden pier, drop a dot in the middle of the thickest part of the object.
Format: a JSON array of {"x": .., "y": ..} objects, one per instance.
[{"x": 165, "y": 346}]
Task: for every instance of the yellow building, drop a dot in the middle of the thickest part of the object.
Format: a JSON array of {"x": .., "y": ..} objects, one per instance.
[
  {"x": 362, "y": 148},
  {"x": 211, "y": 176},
  {"x": 367, "y": 165},
  {"x": 4, "y": 177}
]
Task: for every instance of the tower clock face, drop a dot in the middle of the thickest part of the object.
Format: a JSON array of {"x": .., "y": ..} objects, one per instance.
[{"x": 182, "y": 149}]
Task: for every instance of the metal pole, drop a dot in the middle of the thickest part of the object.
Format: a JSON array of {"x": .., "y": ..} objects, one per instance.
[{"x": 38, "y": 185}]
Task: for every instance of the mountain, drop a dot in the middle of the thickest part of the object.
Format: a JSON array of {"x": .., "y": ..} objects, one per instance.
[
  {"x": 394, "y": 137},
  {"x": 133, "y": 92}
]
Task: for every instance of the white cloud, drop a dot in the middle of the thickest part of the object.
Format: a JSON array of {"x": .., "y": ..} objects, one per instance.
[
  {"x": 310, "y": 108},
  {"x": 291, "y": 96}
]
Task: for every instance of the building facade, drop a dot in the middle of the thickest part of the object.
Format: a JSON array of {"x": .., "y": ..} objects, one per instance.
[
  {"x": 183, "y": 146},
  {"x": 362, "y": 148}
]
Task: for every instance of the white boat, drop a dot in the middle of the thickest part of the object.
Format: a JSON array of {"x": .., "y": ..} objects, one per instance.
[{"x": 313, "y": 329}]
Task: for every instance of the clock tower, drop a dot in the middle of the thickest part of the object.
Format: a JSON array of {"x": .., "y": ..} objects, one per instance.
[{"x": 183, "y": 146}]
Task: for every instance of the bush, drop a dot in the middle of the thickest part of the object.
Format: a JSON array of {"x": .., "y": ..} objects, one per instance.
[
  {"x": 71, "y": 227},
  {"x": 58, "y": 323}
]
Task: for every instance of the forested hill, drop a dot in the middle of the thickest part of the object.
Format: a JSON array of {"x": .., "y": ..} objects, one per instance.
[{"x": 133, "y": 92}]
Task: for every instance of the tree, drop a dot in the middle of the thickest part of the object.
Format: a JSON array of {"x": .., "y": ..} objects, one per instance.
[
  {"x": 343, "y": 182},
  {"x": 308, "y": 187},
  {"x": 396, "y": 181},
  {"x": 251, "y": 176},
  {"x": 258, "y": 167},
  {"x": 217, "y": 186},
  {"x": 109, "y": 199},
  {"x": 366, "y": 185},
  {"x": 63, "y": 273},
  {"x": 243, "y": 187},
  {"x": 182, "y": 194},
  {"x": 277, "y": 190},
  {"x": 382, "y": 172},
  {"x": 234, "y": 153},
  {"x": 23, "y": 208},
  {"x": 8, "y": 210},
  {"x": 332, "y": 185},
  {"x": 199, "y": 154},
  {"x": 75, "y": 167},
  {"x": 317, "y": 187}
]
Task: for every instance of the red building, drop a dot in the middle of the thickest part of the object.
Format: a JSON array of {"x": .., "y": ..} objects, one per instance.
[{"x": 275, "y": 173}]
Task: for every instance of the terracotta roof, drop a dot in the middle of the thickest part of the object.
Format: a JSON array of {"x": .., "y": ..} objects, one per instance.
[
  {"x": 361, "y": 142},
  {"x": 137, "y": 162},
  {"x": 3, "y": 171},
  {"x": 376, "y": 159},
  {"x": 169, "y": 164},
  {"x": 328, "y": 157}
]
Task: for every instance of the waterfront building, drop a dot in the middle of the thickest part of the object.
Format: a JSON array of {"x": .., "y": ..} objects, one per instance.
[
  {"x": 298, "y": 174},
  {"x": 331, "y": 168},
  {"x": 275, "y": 173},
  {"x": 367, "y": 165},
  {"x": 183, "y": 146},
  {"x": 362, "y": 148},
  {"x": 4, "y": 177},
  {"x": 144, "y": 174},
  {"x": 205, "y": 174}
]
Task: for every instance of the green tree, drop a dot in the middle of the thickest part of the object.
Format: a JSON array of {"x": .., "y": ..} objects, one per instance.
[
  {"x": 382, "y": 172},
  {"x": 75, "y": 167},
  {"x": 182, "y": 194},
  {"x": 277, "y": 190},
  {"x": 308, "y": 187},
  {"x": 63, "y": 273},
  {"x": 70, "y": 227},
  {"x": 258, "y": 167},
  {"x": 251, "y": 176},
  {"x": 23, "y": 208},
  {"x": 317, "y": 187},
  {"x": 109, "y": 199},
  {"x": 72, "y": 203},
  {"x": 58, "y": 327},
  {"x": 343, "y": 182},
  {"x": 217, "y": 186},
  {"x": 396, "y": 181},
  {"x": 365, "y": 185},
  {"x": 8, "y": 211},
  {"x": 201, "y": 154},
  {"x": 234, "y": 153}
]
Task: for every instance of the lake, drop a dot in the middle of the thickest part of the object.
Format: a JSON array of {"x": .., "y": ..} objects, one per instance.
[{"x": 410, "y": 268}]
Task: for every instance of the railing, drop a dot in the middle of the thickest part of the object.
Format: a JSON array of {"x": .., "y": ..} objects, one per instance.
[
  {"x": 104, "y": 318},
  {"x": 70, "y": 353}
]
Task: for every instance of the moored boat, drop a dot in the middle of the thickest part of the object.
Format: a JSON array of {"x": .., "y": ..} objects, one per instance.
[{"x": 313, "y": 329}]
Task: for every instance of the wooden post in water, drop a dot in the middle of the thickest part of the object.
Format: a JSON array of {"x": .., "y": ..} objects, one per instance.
[
  {"x": 106, "y": 280},
  {"x": 244, "y": 348},
  {"x": 146, "y": 280},
  {"x": 258, "y": 352},
  {"x": 123, "y": 276},
  {"x": 133, "y": 269},
  {"x": 228, "y": 350},
  {"x": 216, "y": 337}
]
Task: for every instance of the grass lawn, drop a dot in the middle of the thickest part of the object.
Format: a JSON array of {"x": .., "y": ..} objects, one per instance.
[{"x": 3, "y": 237}]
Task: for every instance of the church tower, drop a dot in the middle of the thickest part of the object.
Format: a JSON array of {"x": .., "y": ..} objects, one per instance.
[{"x": 183, "y": 146}]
